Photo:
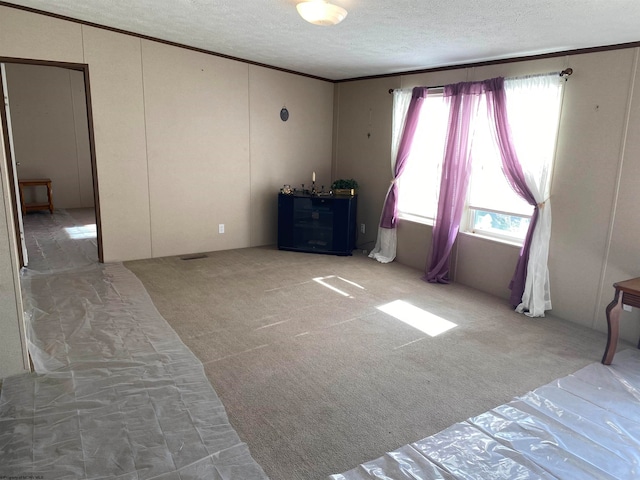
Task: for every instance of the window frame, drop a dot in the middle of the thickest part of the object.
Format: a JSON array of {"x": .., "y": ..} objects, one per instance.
[
  {"x": 470, "y": 210},
  {"x": 467, "y": 225}
]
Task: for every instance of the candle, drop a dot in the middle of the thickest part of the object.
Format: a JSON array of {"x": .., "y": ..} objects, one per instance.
[{"x": 313, "y": 177}]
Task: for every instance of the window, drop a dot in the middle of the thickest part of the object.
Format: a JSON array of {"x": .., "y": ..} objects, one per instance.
[
  {"x": 418, "y": 186},
  {"x": 493, "y": 208}
]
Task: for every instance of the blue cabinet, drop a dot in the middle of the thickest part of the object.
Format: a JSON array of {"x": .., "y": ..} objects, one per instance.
[{"x": 318, "y": 224}]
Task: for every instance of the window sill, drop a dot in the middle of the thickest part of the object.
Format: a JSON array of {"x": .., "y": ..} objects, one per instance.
[
  {"x": 415, "y": 219},
  {"x": 491, "y": 238}
]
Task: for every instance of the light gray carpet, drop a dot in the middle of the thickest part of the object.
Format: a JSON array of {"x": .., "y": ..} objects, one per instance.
[{"x": 316, "y": 381}]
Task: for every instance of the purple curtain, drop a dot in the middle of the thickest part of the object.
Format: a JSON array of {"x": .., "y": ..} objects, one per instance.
[
  {"x": 390, "y": 209},
  {"x": 463, "y": 99},
  {"x": 497, "y": 109}
]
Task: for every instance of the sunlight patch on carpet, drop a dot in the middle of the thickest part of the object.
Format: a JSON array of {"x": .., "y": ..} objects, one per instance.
[
  {"x": 321, "y": 281},
  {"x": 418, "y": 318}
]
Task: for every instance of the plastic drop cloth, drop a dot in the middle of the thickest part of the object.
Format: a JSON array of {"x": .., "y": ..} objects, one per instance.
[
  {"x": 583, "y": 426},
  {"x": 116, "y": 394}
]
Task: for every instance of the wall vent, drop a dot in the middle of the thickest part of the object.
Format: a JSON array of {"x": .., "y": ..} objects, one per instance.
[{"x": 194, "y": 257}]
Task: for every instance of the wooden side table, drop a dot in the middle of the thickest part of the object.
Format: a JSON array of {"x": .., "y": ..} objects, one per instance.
[
  {"x": 630, "y": 290},
  {"x": 37, "y": 182}
]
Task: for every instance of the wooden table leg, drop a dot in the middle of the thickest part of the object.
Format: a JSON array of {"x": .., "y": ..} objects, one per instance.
[
  {"x": 50, "y": 196},
  {"x": 613, "y": 322}
]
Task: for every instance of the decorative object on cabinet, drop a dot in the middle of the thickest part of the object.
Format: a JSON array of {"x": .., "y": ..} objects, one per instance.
[{"x": 344, "y": 187}]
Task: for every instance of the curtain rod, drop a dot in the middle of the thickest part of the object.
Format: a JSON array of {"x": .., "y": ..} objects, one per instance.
[{"x": 564, "y": 74}]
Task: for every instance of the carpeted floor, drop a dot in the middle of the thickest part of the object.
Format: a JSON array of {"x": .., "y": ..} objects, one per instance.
[{"x": 316, "y": 378}]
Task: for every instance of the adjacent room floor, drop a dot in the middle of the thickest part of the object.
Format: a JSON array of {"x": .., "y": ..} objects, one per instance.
[{"x": 116, "y": 394}]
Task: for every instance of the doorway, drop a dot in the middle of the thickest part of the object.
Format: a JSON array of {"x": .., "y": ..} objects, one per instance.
[{"x": 48, "y": 130}]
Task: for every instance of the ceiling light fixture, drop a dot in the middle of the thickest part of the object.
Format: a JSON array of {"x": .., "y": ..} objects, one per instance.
[{"x": 320, "y": 12}]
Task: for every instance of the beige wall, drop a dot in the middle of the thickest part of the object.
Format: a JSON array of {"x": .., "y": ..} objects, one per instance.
[
  {"x": 115, "y": 73},
  {"x": 50, "y": 132},
  {"x": 622, "y": 259},
  {"x": 13, "y": 351},
  {"x": 184, "y": 141},
  {"x": 596, "y": 222},
  {"x": 197, "y": 119},
  {"x": 286, "y": 152},
  {"x": 362, "y": 136}
]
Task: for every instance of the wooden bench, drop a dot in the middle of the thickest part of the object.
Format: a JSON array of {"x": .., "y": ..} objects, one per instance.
[{"x": 38, "y": 182}]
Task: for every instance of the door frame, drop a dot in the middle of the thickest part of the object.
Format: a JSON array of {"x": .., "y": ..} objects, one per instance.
[{"x": 17, "y": 210}]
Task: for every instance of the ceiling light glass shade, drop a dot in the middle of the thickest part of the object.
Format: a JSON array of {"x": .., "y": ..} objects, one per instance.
[{"x": 320, "y": 12}]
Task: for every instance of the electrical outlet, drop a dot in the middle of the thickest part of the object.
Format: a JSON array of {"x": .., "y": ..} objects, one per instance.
[
  {"x": 221, "y": 228},
  {"x": 626, "y": 308},
  {"x": 362, "y": 229}
]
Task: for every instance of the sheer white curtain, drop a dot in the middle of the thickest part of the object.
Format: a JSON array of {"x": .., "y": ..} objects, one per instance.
[
  {"x": 387, "y": 241},
  {"x": 534, "y": 106}
]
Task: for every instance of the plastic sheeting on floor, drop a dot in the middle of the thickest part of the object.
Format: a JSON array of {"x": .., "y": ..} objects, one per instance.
[
  {"x": 583, "y": 426},
  {"x": 116, "y": 394},
  {"x": 61, "y": 241}
]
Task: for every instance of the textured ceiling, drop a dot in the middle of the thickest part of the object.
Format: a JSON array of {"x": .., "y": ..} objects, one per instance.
[{"x": 377, "y": 37}]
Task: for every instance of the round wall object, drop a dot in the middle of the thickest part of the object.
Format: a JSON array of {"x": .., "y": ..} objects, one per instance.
[{"x": 284, "y": 114}]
